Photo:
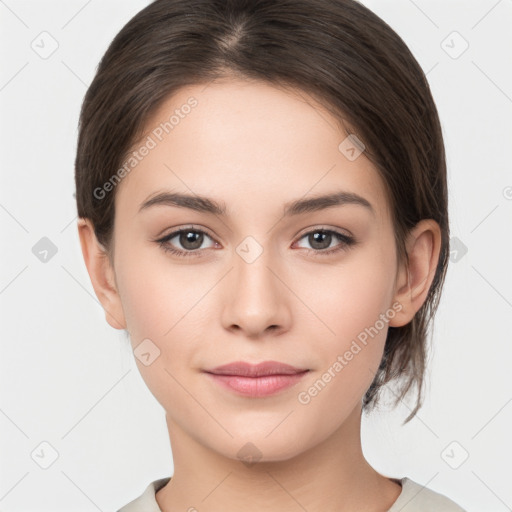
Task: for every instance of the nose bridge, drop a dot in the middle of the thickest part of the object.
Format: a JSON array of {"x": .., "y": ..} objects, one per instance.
[{"x": 257, "y": 298}]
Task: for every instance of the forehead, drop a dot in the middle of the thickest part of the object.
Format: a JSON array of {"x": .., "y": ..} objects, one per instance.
[{"x": 249, "y": 144}]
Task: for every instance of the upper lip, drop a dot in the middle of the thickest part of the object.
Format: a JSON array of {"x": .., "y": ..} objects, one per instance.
[{"x": 256, "y": 370}]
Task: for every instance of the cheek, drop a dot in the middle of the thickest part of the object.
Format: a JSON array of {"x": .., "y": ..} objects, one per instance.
[
  {"x": 353, "y": 302},
  {"x": 156, "y": 295},
  {"x": 171, "y": 305},
  {"x": 350, "y": 297},
  {"x": 162, "y": 304}
]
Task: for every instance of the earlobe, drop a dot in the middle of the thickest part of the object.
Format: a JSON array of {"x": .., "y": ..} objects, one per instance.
[
  {"x": 101, "y": 274},
  {"x": 414, "y": 281}
]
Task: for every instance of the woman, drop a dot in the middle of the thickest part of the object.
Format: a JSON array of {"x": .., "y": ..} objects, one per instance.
[{"x": 262, "y": 195}]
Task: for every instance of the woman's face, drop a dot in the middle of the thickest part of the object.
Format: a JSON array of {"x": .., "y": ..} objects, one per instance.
[{"x": 263, "y": 282}]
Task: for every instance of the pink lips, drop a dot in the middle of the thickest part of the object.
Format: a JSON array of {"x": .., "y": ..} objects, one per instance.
[{"x": 258, "y": 380}]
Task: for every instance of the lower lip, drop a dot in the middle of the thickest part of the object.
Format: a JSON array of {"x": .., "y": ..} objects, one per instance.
[{"x": 257, "y": 386}]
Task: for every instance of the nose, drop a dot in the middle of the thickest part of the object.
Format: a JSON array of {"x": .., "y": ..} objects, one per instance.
[{"x": 257, "y": 298}]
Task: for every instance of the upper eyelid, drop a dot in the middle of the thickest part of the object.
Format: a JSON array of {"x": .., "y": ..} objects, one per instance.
[
  {"x": 314, "y": 229},
  {"x": 185, "y": 229}
]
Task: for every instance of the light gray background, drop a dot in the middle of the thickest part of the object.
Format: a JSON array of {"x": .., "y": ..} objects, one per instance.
[{"x": 67, "y": 378}]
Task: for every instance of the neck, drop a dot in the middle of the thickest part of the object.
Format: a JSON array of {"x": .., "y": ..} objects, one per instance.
[{"x": 331, "y": 476}]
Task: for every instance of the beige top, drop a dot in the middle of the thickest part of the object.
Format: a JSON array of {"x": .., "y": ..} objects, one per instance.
[{"x": 413, "y": 498}]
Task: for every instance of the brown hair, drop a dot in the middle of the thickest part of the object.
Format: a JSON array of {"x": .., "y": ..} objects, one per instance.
[{"x": 337, "y": 51}]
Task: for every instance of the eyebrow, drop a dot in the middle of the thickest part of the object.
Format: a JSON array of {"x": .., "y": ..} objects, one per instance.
[{"x": 207, "y": 205}]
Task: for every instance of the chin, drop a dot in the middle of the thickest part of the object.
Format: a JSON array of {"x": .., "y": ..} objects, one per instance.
[{"x": 260, "y": 447}]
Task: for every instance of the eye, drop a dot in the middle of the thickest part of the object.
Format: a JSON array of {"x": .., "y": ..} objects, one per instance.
[
  {"x": 190, "y": 239},
  {"x": 321, "y": 241}
]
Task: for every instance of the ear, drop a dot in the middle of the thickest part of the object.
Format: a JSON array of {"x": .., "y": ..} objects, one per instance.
[
  {"x": 413, "y": 282},
  {"x": 101, "y": 273}
]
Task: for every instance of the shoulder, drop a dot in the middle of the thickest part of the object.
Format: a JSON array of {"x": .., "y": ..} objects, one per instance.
[
  {"x": 146, "y": 502},
  {"x": 417, "y": 498}
]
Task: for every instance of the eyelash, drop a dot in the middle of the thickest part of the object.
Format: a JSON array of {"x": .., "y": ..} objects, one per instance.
[{"x": 346, "y": 242}]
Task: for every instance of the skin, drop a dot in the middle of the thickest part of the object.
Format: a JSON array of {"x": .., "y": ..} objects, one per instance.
[{"x": 255, "y": 148}]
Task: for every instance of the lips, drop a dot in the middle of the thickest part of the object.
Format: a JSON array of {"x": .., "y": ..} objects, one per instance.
[
  {"x": 256, "y": 380},
  {"x": 243, "y": 369}
]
